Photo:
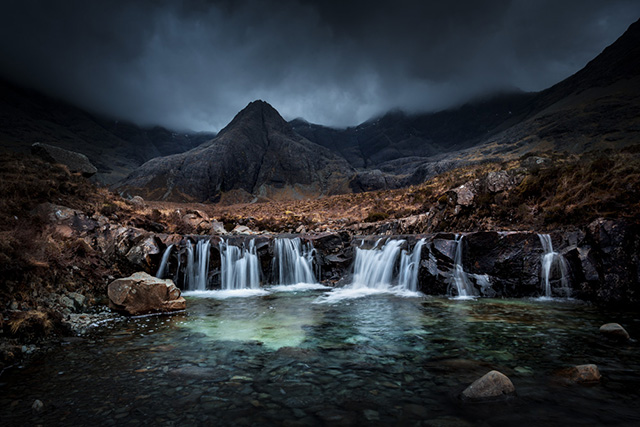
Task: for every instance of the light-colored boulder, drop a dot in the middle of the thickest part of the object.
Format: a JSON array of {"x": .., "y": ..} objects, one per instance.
[
  {"x": 242, "y": 229},
  {"x": 465, "y": 194},
  {"x": 142, "y": 293},
  {"x": 492, "y": 385},
  {"x": 218, "y": 228},
  {"x": 615, "y": 331}
]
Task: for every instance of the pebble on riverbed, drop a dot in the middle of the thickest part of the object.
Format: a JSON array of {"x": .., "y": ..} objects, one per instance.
[
  {"x": 492, "y": 385},
  {"x": 615, "y": 331},
  {"x": 37, "y": 406}
]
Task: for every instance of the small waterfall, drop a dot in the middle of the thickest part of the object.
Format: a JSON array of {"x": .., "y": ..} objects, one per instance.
[
  {"x": 409, "y": 266},
  {"x": 198, "y": 265},
  {"x": 460, "y": 278},
  {"x": 163, "y": 263},
  {"x": 373, "y": 268},
  {"x": 293, "y": 261},
  {"x": 240, "y": 267},
  {"x": 551, "y": 259}
]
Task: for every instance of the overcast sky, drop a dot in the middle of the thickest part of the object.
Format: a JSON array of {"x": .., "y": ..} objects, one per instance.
[{"x": 195, "y": 64}]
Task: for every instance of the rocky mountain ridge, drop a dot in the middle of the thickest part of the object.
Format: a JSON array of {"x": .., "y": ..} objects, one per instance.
[
  {"x": 597, "y": 108},
  {"x": 258, "y": 155}
]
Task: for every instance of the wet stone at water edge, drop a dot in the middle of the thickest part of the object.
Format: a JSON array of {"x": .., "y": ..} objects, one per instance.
[
  {"x": 492, "y": 385},
  {"x": 614, "y": 331}
]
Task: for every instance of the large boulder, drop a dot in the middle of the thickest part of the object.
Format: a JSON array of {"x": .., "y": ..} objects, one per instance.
[
  {"x": 142, "y": 293},
  {"x": 614, "y": 331},
  {"x": 76, "y": 162},
  {"x": 492, "y": 385}
]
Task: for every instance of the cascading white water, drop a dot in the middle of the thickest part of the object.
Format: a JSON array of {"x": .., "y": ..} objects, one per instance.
[
  {"x": 373, "y": 268},
  {"x": 409, "y": 266},
  {"x": 551, "y": 259},
  {"x": 293, "y": 261},
  {"x": 198, "y": 265},
  {"x": 163, "y": 262},
  {"x": 240, "y": 267},
  {"x": 459, "y": 276}
]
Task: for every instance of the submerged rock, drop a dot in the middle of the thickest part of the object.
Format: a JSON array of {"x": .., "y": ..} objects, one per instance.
[
  {"x": 492, "y": 385},
  {"x": 37, "y": 406},
  {"x": 583, "y": 374},
  {"x": 615, "y": 331},
  {"x": 141, "y": 293}
]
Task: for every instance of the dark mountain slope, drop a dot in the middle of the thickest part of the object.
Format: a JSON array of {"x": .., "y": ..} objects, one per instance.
[
  {"x": 115, "y": 148},
  {"x": 258, "y": 155},
  {"x": 397, "y": 135},
  {"x": 596, "y": 108}
]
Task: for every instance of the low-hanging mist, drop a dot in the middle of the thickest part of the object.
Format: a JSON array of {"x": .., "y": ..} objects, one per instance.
[{"x": 193, "y": 64}]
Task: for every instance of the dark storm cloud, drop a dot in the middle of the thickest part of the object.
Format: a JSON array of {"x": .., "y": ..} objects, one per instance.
[{"x": 194, "y": 64}]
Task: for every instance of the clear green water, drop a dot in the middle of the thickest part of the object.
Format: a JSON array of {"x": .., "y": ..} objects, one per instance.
[{"x": 285, "y": 359}]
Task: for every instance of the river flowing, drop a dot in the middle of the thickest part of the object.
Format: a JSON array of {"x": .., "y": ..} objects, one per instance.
[{"x": 292, "y": 357}]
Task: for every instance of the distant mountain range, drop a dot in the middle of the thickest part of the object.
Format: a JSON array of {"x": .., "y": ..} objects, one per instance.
[
  {"x": 260, "y": 156},
  {"x": 114, "y": 147}
]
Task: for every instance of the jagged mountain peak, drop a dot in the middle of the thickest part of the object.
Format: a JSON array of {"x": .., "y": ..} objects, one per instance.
[{"x": 259, "y": 116}]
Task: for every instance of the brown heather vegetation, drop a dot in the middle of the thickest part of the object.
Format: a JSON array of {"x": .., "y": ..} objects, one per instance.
[
  {"x": 565, "y": 190},
  {"x": 34, "y": 258}
]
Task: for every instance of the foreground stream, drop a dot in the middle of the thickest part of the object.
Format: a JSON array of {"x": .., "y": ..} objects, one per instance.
[{"x": 300, "y": 358}]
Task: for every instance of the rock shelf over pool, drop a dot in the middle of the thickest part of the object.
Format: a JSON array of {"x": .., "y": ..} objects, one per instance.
[{"x": 141, "y": 293}]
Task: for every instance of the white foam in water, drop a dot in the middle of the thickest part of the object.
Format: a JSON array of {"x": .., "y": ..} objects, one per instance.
[
  {"x": 551, "y": 259},
  {"x": 225, "y": 294},
  {"x": 163, "y": 263},
  {"x": 198, "y": 265},
  {"x": 347, "y": 293},
  {"x": 293, "y": 261},
  {"x": 459, "y": 277},
  {"x": 240, "y": 268},
  {"x": 463, "y": 297},
  {"x": 373, "y": 268},
  {"x": 298, "y": 287},
  {"x": 409, "y": 264},
  {"x": 373, "y": 273}
]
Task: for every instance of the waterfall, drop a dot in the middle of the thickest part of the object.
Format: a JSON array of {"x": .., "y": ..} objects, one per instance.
[
  {"x": 198, "y": 265},
  {"x": 460, "y": 278},
  {"x": 163, "y": 263},
  {"x": 409, "y": 266},
  {"x": 551, "y": 259},
  {"x": 293, "y": 261},
  {"x": 373, "y": 268},
  {"x": 240, "y": 267}
]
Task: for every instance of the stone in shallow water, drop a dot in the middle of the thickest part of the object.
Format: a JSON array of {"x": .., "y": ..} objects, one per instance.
[
  {"x": 582, "y": 374},
  {"x": 615, "y": 331},
  {"x": 492, "y": 385},
  {"x": 37, "y": 406},
  {"x": 371, "y": 415},
  {"x": 415, "y": 410}
]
